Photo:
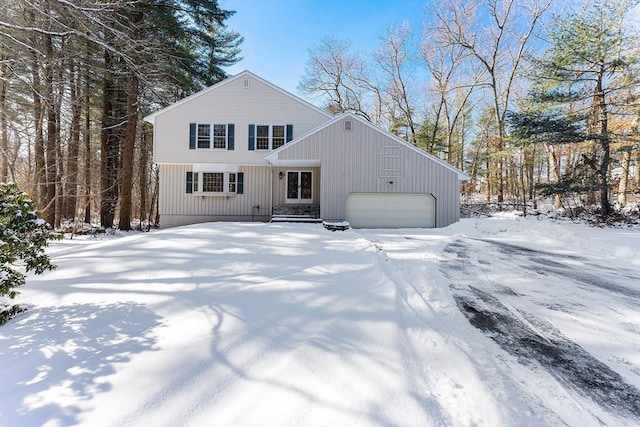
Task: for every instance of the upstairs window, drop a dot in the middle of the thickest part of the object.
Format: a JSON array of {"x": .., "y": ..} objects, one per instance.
[
  {"x": 205, "y": 136},
  {"x": 269, "y": 137},
  {"x": 220, "y": 136},
  {"x": 262, "y": 137},
  {"x": 277, "y": 136}
]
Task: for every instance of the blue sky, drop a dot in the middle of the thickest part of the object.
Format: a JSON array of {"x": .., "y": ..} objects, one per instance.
[{"x": 278, "y": 33}]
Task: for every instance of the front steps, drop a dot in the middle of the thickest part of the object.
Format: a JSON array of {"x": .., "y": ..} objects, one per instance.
[{"x": 295, "y": 218}]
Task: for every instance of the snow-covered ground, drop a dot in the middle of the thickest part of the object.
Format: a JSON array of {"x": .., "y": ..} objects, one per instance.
[{"x": 501, "y": 321}]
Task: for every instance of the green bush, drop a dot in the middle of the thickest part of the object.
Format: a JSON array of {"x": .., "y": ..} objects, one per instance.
[{"x": 23, "y": 237}]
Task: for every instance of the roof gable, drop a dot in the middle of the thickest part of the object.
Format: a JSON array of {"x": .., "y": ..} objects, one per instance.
[
  {"x": 273, "y": 156},
  {"x": 152, "y": 117}
]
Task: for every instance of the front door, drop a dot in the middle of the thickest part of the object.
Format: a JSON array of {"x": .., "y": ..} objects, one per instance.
[{"x": 299, "y": 187}]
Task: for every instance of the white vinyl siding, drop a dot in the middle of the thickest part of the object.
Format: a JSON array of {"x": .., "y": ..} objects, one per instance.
[
  {"x": 230, "y": 103},
  {"x": 351, "y": 163},
  {"x": 177, "y": 207}
]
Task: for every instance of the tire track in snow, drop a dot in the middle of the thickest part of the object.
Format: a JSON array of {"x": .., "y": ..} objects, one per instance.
[{"x": 533, "y": 339}]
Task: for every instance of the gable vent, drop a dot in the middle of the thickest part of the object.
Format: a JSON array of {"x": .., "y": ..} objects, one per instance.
[
  {"x": 245, "y": 83},
  {"x": 347, "y": 125}
]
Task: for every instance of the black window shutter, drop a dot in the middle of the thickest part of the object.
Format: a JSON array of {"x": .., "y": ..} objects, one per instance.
[
  {"x": 240, "y": 183},
  {"x": 192, "y": 136},
  {"x": 289, "y": 132},
  {"x": 252, "y": 137},
  {"x": 189, "y": 182},
  {"x": 230, "y": 136}
]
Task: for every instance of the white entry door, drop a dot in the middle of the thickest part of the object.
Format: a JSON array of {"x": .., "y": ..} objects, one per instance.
[{"x": 299, "y": 187}]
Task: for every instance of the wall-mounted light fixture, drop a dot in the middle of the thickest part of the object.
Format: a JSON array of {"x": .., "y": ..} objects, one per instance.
[
  {"x": 391, "y": 182},
  {"x": 280, "y": 175}
]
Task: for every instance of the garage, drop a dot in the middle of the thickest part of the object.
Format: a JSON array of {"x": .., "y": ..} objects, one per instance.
[{"x": 391, "y": 210}]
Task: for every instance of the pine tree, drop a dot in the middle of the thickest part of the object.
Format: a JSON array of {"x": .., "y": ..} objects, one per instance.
[{"x": 581, "y": 72}]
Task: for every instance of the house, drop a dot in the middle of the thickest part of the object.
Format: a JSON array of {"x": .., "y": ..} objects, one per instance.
[{"x": 244, "y": 149}]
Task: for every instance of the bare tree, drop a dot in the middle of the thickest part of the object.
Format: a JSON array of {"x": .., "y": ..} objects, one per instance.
[
  {"x": 338, "y": 76},
  {"x": 394, "y": 58},
  {"x": 454, "y": 79},
  {"x": 496, "y": 34}
]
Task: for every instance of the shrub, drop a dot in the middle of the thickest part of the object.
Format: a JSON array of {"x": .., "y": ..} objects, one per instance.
[{"x": 23, "y": 237}]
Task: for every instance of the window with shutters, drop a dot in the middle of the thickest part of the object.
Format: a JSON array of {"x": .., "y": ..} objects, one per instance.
[
  {"x": 262, "y": 137},
  {"x": 269, "y": 137},
  {"x": 215, "y": 183},
  {"x": 220, "y": 136},
  {"x": 206, "y": 136}
]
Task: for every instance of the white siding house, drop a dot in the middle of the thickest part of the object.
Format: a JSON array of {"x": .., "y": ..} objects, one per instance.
[{"x": 245, "y": 149}]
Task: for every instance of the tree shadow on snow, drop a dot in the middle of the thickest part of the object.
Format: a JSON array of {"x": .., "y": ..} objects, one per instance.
[{"x": 74, "y": 348}]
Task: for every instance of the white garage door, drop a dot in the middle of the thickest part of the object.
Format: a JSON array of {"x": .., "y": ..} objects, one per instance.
[{"x": 391, "y": 210}]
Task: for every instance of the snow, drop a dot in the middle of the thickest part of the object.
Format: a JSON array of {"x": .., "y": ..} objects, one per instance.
[{"x": 291, "y": 324}]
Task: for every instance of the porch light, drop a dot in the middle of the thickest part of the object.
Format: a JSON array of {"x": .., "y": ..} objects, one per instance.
[{"x": 280, "y": 175}]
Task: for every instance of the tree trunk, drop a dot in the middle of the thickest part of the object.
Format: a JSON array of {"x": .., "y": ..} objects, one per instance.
[
  {"x": 127, "y": 153},
  {"x": 40, "y": 168},
  {"x": 602, "y": 120},
  {"x": 86, "y": 142},
  {"x": 143, "y": 176},
  {"x": 623, "y": 186},
  {"x": 71, "y": 184},
  {"x": 108, "y": 172},
  {"x": 554, "y": 166},
  {"x": 52, "y": 120},
  {"x": 637, "y": 171},
  {"x": 4, "y": 144}
]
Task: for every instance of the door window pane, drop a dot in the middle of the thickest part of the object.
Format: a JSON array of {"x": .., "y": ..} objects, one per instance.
[
  {"x": 292, "y": 185},
  {"x": 306, "y": 185}
]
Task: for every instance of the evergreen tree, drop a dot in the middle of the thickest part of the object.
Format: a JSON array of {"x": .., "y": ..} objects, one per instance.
[
  {"x": 23, "y": 237},
  {"x": 582, "y": 71}
]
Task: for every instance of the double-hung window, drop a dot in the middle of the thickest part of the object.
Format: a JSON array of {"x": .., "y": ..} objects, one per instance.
[
  {"x": 232, "y": 183},
  {"x": 262, "y": 137},
  {"x": 277, "y": 136},
  {"x": 204, "y": 136},
  {"x": 269, "y": 137},
  {"x": 220, "y": 136}
]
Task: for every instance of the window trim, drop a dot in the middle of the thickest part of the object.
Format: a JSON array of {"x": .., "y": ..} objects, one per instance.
[
  {"x": 198, "y": 183},
  {"x": 286, "y": 137},
  {"x": 212, "y": 136}
]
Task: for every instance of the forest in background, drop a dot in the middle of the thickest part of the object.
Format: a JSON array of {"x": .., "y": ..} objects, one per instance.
[
  {"x": 528, "y": 100},
  {"x": 77, "y": 77}
]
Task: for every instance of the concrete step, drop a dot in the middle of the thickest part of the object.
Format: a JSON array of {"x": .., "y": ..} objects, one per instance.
[{"x": 295, "y": 218}]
